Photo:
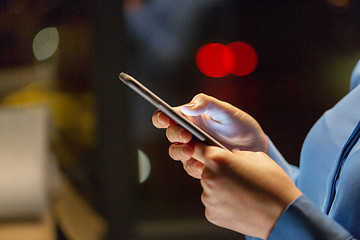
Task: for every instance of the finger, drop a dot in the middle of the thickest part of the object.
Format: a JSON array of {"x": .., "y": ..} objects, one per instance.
[
  {"x": 194, "y": 149},
  {"x": 177, "y": 134},
  {"x": 203, "y": 104},
  {"x": 160, "y": 120},
  {"x": 181, "y": 152},
  {"x": 193, "y": 167},
  {"x": 184, "y": 153},
  {"x": 216, "y": 156},
  {"x": 199, "y": 149}
]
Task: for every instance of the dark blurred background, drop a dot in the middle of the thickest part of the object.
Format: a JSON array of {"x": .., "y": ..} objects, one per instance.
[{"x": 106, "y": 145}]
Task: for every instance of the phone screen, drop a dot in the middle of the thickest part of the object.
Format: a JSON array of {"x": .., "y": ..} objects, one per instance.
[{"x": 168, "y": 110}]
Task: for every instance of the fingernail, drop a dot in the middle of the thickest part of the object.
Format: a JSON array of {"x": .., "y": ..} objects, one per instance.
[
  {"x": 190, "y": 105},
  {"x": 162, "y": 120}
]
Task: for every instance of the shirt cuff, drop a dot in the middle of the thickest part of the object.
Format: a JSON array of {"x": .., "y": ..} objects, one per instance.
[{"x": 302, "y": 220}]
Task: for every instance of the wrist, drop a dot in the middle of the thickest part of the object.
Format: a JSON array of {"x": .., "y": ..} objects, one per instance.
[
  {"x": 261, "y": 143},
  {"x": 278, "y": 209}
]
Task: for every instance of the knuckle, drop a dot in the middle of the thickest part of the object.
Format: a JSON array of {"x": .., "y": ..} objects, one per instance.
[
  {"x": 208, "y": 181},
  {"x": 210, "y": 215},
  {"x": 207, "y": 175},
  {"x": 204, "y": 198},
  {"x": 199, "y": 96},
  {"x": 211, "y": 204},
  {"x": 216, "y": 156}
]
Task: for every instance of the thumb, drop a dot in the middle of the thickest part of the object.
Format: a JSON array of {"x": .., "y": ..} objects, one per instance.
[{"x": 203, "y": 104}]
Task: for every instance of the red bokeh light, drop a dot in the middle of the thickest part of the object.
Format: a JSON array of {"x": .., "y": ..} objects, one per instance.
[
  {"x": 217, "y": 60},
  {"x": 245, "y": 58}
]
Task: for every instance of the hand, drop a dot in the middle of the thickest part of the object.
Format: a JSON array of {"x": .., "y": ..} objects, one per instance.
[
  {"x": 228, "y": 124},
  {"x": 245, "y": 191},
  {"x": 183, "y": 148}
]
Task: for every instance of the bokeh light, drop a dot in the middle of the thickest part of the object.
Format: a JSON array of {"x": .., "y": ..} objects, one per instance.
[
  {"x": 144, "y": 166},
  {"x": 246, "y": 58},
  {"x": 215, "y": 60},
  {"x": 45, "y": 43},
  {"x": 218, "y": 60}
]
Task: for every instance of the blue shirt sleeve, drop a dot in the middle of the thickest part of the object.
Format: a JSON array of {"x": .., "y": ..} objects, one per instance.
[
  {"x": 302, "y": 220},
  {"x": 305, "y": 218}
]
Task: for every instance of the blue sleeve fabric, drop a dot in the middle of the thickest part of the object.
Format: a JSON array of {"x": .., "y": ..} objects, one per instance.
[
  {"x": 323, "y": 174},
  {"x": 302, "y": 220}
]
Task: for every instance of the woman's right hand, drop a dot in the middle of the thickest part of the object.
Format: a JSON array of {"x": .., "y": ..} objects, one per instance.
[{"x": 231, "y": 126}]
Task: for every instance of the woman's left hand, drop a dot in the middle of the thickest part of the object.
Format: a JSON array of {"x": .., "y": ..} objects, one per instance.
[{"x": 245, "y": 191}]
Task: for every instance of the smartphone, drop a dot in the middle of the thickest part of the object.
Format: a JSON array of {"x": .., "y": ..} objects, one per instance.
[{"x": 169, "y": 111}]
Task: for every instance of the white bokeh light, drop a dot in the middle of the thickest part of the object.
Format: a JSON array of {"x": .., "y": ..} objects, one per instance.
[
  {"x": 45, "y": 43},
  {"x": 144, "y": 166}
]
